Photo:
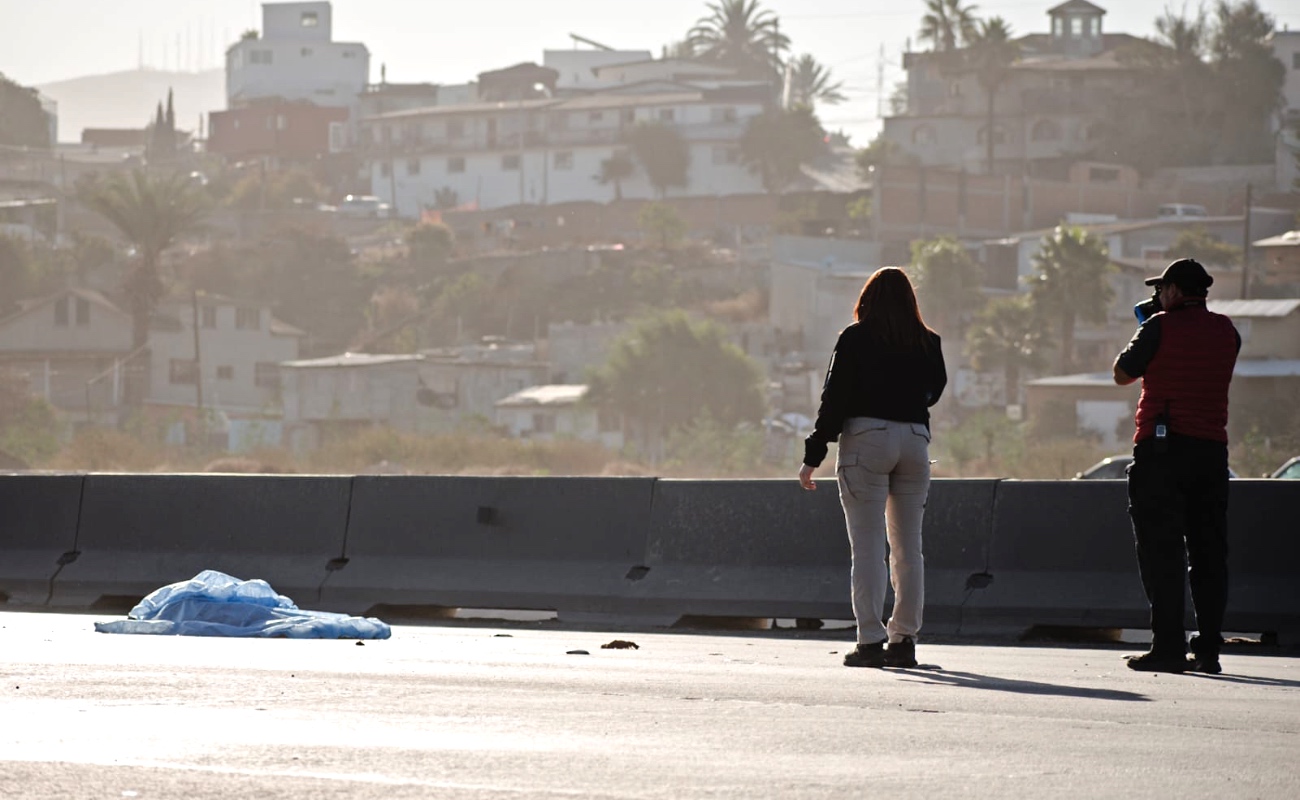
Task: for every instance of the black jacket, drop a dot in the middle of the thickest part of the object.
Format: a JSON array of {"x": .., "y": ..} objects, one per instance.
[{"x": 869, "y": 379}]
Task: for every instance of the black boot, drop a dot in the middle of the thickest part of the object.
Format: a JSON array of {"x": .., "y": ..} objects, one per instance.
[
  {"x": 901, "y": 653},
  {"x": 866, "y": 655}
]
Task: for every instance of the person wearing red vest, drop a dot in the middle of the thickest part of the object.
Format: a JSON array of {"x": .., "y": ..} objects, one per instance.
[{"x": 1178, "y": 481}]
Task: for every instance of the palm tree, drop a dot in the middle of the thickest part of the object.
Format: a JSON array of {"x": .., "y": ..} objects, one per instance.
[
  {"x": 947, "y": 24},
  {"x": 739, "y": 35},
  {"x": 1070, "y": 284},
  {"x": 1008, "y": 335},
  {"x": 992, "y": 54},
  {"x": 616, "y": 169},
  {"x": 809, "y": 82},
  {"x": 152, "y": 212}
]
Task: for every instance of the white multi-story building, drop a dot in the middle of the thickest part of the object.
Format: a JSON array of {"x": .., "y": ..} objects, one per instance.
[
  {"x": 296, "y": 58},
  {"x": 1286, "y": 47},
  {"x": 551, "y": 150}
]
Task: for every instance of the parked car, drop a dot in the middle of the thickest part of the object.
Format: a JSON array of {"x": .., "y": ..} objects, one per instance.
[
  {"x": 1180, "y": 210},
  {"x": 364, "y": 205},
  {"x": 1116, "y": 468},
  {"x": 1291, "y": 470}
]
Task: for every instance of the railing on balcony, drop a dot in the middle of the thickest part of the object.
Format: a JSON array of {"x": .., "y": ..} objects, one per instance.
[{"x": 414, "y": 143}]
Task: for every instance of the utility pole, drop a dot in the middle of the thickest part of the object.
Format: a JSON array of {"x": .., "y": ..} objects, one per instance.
[
  {"x": 198, "y": 356},
  {"x": 1245, "y": 246},
  {"x": 880, "y": 83}
]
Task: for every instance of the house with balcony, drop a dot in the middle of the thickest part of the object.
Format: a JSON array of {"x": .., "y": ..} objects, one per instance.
[
  {"x": 1050, "y": 109},
  {"x": 543, "y": 147}
]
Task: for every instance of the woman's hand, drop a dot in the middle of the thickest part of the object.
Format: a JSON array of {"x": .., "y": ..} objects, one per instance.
[{"x": 805, "y": 477}]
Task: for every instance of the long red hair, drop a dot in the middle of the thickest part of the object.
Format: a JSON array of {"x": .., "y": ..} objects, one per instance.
[{"x": 887, "y": 307}]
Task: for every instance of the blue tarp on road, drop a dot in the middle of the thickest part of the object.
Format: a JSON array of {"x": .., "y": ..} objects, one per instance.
[{"x": 215, "y": 604}]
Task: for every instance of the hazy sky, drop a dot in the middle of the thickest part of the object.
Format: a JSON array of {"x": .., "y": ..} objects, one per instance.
[{"x": 450, "y": 41}]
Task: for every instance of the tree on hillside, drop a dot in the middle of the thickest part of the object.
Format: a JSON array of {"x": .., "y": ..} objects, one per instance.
[
  {"x": 616, "y": 169},
  {"x": 741, "y": 35},
  {"x": 1008, "y": 335},
  {"x": 1070, "y": 284},
  {"x": 810, "y": 83},
  {"x": 22, "y": 120},
  {"x": 1205, "y": 247},
  {"x": 661, "y": 222},
  {"x": 429, "y": 245},
  {"x": 1249, "y": 78},
  {"x": 992, "y": 52},
  {"x": 152, "y": 211},
  {"x": 948, "y": 284},
  {"x": 778, "y": 142},
  {"x": 278, "y": 190},
  {"x": 669, "y": 371},
  {"x": 947, "y": 24},
  {"x": 663, "y": 154}
]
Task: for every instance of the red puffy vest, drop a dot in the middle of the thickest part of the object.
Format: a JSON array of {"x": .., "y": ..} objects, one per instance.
[{"x": 1189, "y": 375}]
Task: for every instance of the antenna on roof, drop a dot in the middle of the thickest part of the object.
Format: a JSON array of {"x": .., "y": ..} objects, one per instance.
[{"x": 576, "y": 38}]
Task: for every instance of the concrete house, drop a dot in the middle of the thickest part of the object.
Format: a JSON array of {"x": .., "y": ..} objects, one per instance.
[
  {"x": 71, "y": 346},
  {"x": 240, "y": 347},
  {"x": 1051, "y": 106},
  {"x": 557, "y": 411}
]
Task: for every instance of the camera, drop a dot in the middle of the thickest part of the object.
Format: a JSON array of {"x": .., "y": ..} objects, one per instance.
[{"x": 1148, "y": 308}]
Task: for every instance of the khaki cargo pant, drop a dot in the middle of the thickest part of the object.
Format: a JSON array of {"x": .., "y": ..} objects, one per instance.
[{"x": 884, "y": 477}]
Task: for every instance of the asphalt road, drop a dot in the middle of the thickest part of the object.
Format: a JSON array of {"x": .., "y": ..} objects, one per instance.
[{"x": 483, "y": 711}]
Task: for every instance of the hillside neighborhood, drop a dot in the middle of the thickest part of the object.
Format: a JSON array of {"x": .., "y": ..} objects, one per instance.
[{"x": 643, "y": 256}]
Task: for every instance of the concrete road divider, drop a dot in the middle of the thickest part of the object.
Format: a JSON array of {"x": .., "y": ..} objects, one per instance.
[
  {"x": 746, "y": 548},
  {"x": 956, "y": 536},
  {"x": 140, "y": 532},
  {"x": 574, "y": 545},
  {"x": 1061, "y": 554},
  {"x": 1264, "y": 557},
  {"x": 38, "y": 533}
]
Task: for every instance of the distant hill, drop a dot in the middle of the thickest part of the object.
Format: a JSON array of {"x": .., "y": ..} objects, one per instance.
[{"x": 129, "y": 99}]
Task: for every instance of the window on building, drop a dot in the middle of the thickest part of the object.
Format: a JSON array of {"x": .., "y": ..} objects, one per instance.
[
  {"x": 83, "y": 312},
  {"x": 385, "y": 169},
  {"x": 923, "y": 135},
  {"x": 310, "y": 19},
  {"x": 667, "y": 114},
  {"x": 413, "y": 166},
  {"x": 208, "y": 316},
  {"x": 629, "y": 115},
  {"x": 456, "y": 164},
  {"x": 260, "y": 56},
  {"x": 61, "y": 312},
  {"x": 1046, "y": 130},
  {"x": 564, "y": 159},
  {"x": 225, "y": 372},
  {"x": 248, "y": 319},
  {"x": 510, "y": 163},
  {"x": 182, "y": 371},
  {"x": 723, "y": 114},
  {"x": 349, "y": 54},
  {"x": 999, "y": 135},
  {"x": 455, "y": 129},
  {"x": 725, "y": 154},
  {"x": 266, "y": 375},
  {"x": 1103, "y": 174},
  {"x": 544, "y": 423},
  {"x": 595, "y": 116},
  {"x": 306, "y": 52}
]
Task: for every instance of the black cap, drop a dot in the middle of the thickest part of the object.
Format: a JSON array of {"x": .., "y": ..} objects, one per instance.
[{"x": 1187, "y": 274}]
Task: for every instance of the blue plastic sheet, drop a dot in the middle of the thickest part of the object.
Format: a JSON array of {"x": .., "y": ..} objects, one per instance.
[{"x": 215, "y": 604}]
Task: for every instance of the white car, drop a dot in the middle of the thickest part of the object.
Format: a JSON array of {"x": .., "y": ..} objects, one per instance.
[{"x": 364, "y": 205}]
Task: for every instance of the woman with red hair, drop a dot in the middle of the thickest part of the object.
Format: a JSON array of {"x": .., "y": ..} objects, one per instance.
[{"x": 886, "y": 372}]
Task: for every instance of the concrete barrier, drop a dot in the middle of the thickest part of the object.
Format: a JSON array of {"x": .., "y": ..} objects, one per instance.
[
  {"x": 1264, "y": 557},
  {"x": 1061, "y": 554},
  {"x": 956, "y": 537},
  {"x": 38, "y": 533},
  {"x": 746, "y": 548},
  {"x": 568, "y": 544},
  {"x": 140, "y": 532}
]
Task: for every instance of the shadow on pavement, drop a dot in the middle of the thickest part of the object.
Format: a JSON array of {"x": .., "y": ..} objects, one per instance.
[
  {"x": 972, "y": 680},
  {"x": 1248, "y": 679}
]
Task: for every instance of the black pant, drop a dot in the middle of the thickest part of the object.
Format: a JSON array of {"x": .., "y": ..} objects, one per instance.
[{"x": 1178, "y": 501}]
